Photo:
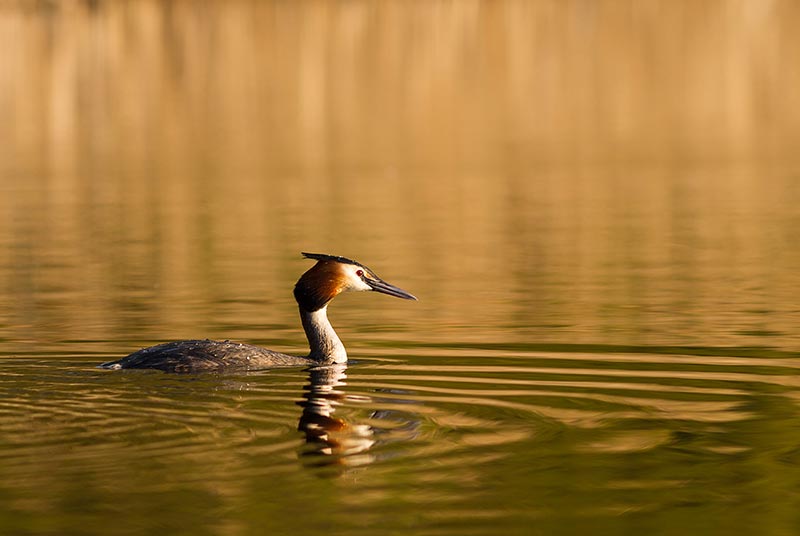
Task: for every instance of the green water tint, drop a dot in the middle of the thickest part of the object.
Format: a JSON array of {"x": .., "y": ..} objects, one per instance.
[{"x": 417, "y": 442}]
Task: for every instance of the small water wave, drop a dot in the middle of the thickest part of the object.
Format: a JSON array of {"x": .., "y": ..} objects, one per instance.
[{"x": 588, "y": 389}]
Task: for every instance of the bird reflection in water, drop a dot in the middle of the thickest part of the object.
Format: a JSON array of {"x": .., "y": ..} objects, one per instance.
[{"x": 331, "y": 440}]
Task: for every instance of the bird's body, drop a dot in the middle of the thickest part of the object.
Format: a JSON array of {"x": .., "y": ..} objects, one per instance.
[
  {"x": 329, "y": 277},
  {"x": 206, "y": 356}
]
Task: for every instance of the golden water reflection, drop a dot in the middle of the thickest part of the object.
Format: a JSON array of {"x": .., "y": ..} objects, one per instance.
[{"x": 604, "y": 172}]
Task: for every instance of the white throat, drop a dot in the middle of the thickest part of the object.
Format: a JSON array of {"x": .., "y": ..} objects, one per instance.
[{"x": 322, "y": 339}]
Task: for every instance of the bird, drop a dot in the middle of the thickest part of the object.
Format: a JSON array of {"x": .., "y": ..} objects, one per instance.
[{"x": 329, "y": 277}]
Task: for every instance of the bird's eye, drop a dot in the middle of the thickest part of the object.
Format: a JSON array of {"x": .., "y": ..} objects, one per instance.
[{"x": 360, "y": 273}]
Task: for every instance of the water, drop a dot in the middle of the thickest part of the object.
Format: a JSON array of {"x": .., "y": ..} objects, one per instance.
[
  {"x": 596, "y": 204},
  {"x": 445, "y": 441}
]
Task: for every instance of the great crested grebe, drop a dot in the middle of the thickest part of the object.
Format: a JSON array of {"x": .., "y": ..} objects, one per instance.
[{"x": 329, "y": 277}]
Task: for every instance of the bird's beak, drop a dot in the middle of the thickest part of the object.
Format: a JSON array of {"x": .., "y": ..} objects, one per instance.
[{"x": 379, "y": 285}]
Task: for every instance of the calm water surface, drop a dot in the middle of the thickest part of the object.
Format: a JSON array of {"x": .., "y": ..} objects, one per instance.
[{"x": 597, "y": 204}]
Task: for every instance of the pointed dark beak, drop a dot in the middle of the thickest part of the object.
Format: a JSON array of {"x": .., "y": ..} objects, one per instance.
[{"x": 378, "y": 285}]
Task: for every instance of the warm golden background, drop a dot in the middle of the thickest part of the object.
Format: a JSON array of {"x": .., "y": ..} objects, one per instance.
[
  {"x": 597, "y": 202},
  {"x": 558, "y": 171}
]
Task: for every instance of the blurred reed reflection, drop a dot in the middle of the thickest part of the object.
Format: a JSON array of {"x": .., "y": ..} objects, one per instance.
[
  {"x": 313, "y": 85},
  {"x": 612, "y": 172}
]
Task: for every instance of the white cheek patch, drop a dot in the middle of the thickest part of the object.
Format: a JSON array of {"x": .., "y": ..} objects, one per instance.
[{"x": 353, "y": 281}]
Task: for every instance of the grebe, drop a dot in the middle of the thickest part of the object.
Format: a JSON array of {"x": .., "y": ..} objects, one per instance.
[{"x": 330, "y": 276}]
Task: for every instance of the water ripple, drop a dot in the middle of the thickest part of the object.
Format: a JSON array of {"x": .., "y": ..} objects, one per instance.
[{"x": 440, "y": 419}]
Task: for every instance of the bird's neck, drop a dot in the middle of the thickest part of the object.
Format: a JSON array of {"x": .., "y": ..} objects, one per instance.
[{"x": 322, "y": 339}]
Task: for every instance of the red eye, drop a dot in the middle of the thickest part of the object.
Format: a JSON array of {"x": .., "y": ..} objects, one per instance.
[{"x": 360, "y": 273}]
